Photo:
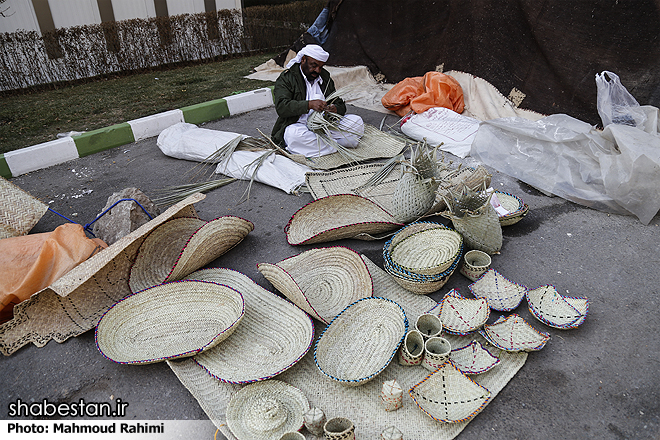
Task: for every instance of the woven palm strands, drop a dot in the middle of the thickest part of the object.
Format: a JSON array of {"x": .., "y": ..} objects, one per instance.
[
  {"x": 169, "y": 321},
  {"x": 555, "y": 310},
  {"x": 19, "y": 211},
  {"x": 361, "y": 341},
  {"x": 513, "y": 333},
  {"x": 450, "y": 396}
]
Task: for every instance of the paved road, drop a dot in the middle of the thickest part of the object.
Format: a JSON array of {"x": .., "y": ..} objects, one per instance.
[{"x": 599, "y": 381}]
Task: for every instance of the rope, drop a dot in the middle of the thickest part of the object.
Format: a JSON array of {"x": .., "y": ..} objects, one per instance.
[{"x": 87, "y": 227}]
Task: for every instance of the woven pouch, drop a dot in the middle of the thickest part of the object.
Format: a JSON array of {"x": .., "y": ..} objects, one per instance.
[
  {"x": 482, "y": 231},
  {"x": 412, "y": 198}
]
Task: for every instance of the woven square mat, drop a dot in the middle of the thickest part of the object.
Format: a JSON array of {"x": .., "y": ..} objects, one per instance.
[
  {"x": 74, "y": 303},
  {"x": 19, "y": 210},
  {"x": 359, "y": 404}
]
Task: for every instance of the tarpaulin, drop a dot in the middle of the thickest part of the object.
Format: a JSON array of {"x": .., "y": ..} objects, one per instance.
[{"x": 421, "y": 93}]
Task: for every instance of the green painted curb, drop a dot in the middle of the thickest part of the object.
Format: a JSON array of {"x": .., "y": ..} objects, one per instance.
[
  {"x": 206, "y": 111},
  {"x": 4, "y": 167},
  {"x": 104, "y": 139}
]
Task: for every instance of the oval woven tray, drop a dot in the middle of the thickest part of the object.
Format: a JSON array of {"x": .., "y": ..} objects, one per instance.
[
  {"x": 168, "y": 321},
  {"x": 361, "y": 341}
]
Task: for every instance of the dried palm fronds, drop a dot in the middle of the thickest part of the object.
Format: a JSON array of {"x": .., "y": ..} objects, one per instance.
[
  {"x": 322, "y": 123},
  {"x": 175, "y": 194},
  {"x": 381, "y": 174}
]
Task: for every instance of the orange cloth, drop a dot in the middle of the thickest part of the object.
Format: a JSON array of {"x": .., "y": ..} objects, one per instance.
[
  {"x": 419, "y": 94},
  {"x": 30, "y": 263}
]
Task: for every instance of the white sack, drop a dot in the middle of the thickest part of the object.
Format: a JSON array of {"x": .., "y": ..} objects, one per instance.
[
  {"x": 278, "y": 171},
  {"x": 616, "y": 171},
  {"x": 442, "y": 125},
  {"x": 189, "y": 142}
]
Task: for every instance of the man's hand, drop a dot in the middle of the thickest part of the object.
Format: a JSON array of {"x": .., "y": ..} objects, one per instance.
[{"x": 317, "y": 104}]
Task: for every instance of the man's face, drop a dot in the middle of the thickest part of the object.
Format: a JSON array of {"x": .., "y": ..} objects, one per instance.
[{"x": 311, "y": 67}]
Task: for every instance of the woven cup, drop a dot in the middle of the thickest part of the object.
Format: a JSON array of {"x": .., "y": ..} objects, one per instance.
[
  {"x": 436, "y": 353},
  {"x": 412, "y": 349},
  {"x": 314, "y": 420},
  {"x": 339, "y": 428},
  {"x": 476, "y": 264},
  {"x": 428, "y": 325},
  {"x": 391, "y": 433},
  {"x": 292, "y": 436},
  {"x": 391, "y": 395}
]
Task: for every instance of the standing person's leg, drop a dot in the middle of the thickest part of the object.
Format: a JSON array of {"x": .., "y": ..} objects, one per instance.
[{"x": 319, "y": 26}]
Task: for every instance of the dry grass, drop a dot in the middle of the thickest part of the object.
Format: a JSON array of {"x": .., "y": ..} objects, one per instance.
[{"x": 37, "y": 117}]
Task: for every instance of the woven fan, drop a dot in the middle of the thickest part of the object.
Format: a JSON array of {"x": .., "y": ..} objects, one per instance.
[
  {"x": 502, "y": 294},
  {"x": 513, "y": 333},
  {"x": 549, "y": 307}
]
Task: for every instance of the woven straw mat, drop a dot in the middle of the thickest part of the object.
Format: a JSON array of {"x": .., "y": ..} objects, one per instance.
[
  {"x": 74, "y": 303},
  {"x": 19, "y": 211},
  {"x": 272, "y": 336},
  {"x": 359, "y": 404}
]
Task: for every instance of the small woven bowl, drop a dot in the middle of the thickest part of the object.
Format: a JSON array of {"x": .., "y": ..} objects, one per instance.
[
  {"x": 513, "y": 334},
  {"x": 169, "y": 321},
  {"x": 422, "y": 284},
  {"x": 502, "y": 294},
  {"x": 549, "y": 307},
  {"x": 460, "y": 315},
  {"x": 361, "y": 341},
  {"x": 473, "y": 358},
  {"x": 516, "y": 207}
]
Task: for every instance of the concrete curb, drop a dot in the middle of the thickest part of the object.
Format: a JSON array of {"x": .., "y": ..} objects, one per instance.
[{"x": 36, "y": 157}]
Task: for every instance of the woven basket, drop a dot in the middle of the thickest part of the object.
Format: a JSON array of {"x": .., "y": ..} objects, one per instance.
[
  {"x": 460, "y": 315},
  {"x": 338, "y": 217},
  {"x": 361, "y": 341},
  {"x": 422, "y": 285},
  {"x": 502, "y": 294},
  {"x": 450, "y": 396},
  {"x": 428, "y": 252},
  {"x": 183, "y": 245},
  {"x": 516, "y": 207},
  {"x": 321, "y": 281},
  {"x": 19, "y": 211},
  {"x": 549, "y": 307},
  {"x": 169, "y": 321},
  {"x": 482, "y": 232},
  {"x": 273, "y": 336},
  {"x": 473, "y": 358},
  {"x": 513, "y": 333},
  {"x": 266, "y": 410},
  {"x": 412, "y": 198}
]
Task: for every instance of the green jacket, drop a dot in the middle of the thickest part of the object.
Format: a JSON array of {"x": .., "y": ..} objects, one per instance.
[{"x": 290, "y": 102}]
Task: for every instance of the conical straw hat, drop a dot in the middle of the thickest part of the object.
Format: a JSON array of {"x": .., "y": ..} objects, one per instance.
[
  {"x": 337, "y": 217},
  {"x": 321, "y": 281},
  {"x": 169, "y": 321},
  {"x": 266, "y": 410},
  {"x": 183, "y": 245}
]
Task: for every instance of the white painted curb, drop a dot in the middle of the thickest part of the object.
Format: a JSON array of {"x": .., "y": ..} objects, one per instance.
[
  {"x": 41, "y": 156},
  {"x": 248, "y": 101},
  {"x": 151, "y": 126}
]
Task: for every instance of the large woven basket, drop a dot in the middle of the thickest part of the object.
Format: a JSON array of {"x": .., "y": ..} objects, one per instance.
[
  {"x": 549, "y": 307},
  {"x": 169, "y": 321},
  {"x": 321, "y": 281},
  {"x": 361, "y": 341},
  {"x": 183, "y": 245},
  {"x": 338, "y": 217},
  {"x": 513, "y": 333},
  {"x": 429, "y": 251},
  {"x": 412, "y": 198},
  {"x": 515, "y": 205},
  {"x": 450, "y": 396},
  {"x": 460, "y": 315},
  {"x": 272, "y": 337},
  {"x": 502, "y": 294}
]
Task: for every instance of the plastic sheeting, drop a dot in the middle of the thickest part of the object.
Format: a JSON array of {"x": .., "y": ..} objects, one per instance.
[
  {"x": 189, "y": 142},
  {"x": 616, "y": 170}
]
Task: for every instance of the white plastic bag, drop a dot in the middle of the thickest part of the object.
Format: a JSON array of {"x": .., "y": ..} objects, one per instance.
[
  {"x": 615, "y": 104},
  {"x": 188, "y": 142}
]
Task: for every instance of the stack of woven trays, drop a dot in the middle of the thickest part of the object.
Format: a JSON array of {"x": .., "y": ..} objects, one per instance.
[{"x": 422, "y": 256}]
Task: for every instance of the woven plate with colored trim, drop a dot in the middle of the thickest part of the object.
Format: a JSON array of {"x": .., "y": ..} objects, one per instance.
[
  {"x": 427, "y": 252},
  {"x": 513, "y": 333},
  {"x": 361, "y": 341},
  {"x": 502, "y": 294},
  {"x": 473, "y": 358},
  {"x": 516, "y": 207},
  {"x": 450, "y": 396},
  {"x": 168, "y": 321},
  {"x": 460, "y": 315},
  {"x": 549, "y": 307}
]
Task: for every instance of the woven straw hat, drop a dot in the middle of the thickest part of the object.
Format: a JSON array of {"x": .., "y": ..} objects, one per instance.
[
  {"x": 169, "y": 321},
  {"x": 502, "y": 294},
  {"x": 266, "y": 410},
  {"x": 272, "y": 337},
  {"x": 337, "y": 217},
  {"x": 450, "y": 396},
  {"x": 321, "y": 281},
  {"x": 361, "y": 341},
  {"x": 473, "y": 358},
  {"x": 183, "y": 245},
  {"x": 460, "y": 315},
  {"x": 513, "y": 333},
  {"x": 19, "y": 211},
  {"x": 549, "y": 307}
]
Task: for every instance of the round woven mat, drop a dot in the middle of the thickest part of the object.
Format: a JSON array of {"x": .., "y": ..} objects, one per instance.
[{"x": 168, "y": 321}]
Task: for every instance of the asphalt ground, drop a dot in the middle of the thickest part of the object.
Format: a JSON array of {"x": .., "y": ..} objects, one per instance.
[{"x": 599, "y": 381}]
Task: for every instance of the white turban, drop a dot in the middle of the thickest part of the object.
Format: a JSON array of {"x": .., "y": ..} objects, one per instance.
[{"x": 311, "y": 50}]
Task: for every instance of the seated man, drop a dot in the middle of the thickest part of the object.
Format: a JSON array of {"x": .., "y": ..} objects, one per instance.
[{"x": 302, "y": 89}]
